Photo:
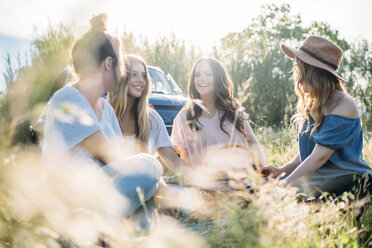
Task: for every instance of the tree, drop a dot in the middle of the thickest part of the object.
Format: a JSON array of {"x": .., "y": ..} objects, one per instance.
[
  {"x": 29, "y": 88},
  {"x": 167, "y": 52},
  {"x": 260, "y": 71},
  {"x": 172, "y": 56},
  {"x": 257, "y": 66},
  {"x": 129, "y": 44},
  {"x": 359, "y": 71}
]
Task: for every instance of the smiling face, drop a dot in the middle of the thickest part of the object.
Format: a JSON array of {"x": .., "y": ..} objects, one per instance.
[
  {"x": 137, "y": 82},
  {"x": 203, "y": 79}
]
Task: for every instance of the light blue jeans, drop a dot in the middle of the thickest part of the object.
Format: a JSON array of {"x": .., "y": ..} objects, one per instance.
[{"x": 139, "y": 171}]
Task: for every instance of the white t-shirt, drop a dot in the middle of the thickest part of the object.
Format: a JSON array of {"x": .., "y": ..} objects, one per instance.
[
  {"x": 158, "y": 136},
  {"x": 209, "y": 138},
  {"x": 70, "y": 119}
]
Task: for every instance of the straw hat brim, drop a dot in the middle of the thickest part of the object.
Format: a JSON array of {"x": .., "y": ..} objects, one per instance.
[{"x": 292, "y": 53}]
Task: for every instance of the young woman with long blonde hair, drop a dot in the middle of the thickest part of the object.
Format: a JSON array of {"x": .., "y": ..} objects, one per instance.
[
  {"x": 213, "y": 118},
  {"x": 330, "y": 135},
  {"x": 142, "y": 127}
]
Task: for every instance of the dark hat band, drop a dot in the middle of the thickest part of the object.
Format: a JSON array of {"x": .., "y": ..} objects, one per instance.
[{"x": 319, "y": 58}]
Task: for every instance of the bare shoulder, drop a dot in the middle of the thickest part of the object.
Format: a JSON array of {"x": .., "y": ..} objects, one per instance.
[{"x": 344, "y": 105}]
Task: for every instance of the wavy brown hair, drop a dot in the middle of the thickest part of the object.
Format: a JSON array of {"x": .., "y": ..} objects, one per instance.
[
  {"x": 225, "y": 101},
  {"x": 119, "y": 97},
  {"x": 319, "y": 84}
]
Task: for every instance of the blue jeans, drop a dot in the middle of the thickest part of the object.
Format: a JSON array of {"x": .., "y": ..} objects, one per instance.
[{"x": 139, "y": 171}]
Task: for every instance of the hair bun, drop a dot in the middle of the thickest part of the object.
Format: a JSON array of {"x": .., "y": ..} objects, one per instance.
[{"x": 98, "y": 23}]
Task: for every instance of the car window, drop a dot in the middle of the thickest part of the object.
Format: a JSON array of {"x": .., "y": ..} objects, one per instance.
[
  {"x": 160, "y": 84},
  {"x": 176, "y": 89}
]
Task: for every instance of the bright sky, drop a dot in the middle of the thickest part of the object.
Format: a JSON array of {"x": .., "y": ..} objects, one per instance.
[{"x": 201, "y": 22}]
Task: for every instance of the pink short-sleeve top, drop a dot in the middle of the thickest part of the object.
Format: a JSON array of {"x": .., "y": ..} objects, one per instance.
[{"x": 207, "y": 139}]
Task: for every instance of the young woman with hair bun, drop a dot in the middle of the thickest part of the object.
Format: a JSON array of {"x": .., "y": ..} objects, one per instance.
[{"x": 81, "y": 126}]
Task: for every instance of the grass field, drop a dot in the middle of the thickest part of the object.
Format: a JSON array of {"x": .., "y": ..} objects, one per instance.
[
  {"x": 41, "y": 210},
  {"x": 275, "y": 218}
]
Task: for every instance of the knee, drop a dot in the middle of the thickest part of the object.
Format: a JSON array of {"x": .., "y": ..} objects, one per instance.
[
  {"x": 149, "y": 162},
  {"x": 137, "y": 165}
]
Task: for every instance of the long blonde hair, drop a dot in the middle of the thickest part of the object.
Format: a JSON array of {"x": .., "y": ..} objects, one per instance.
[
  {"x": 119, "y": 98},
  {"x": 320, "y": 84},
  {"x": 225, "y": 101}
]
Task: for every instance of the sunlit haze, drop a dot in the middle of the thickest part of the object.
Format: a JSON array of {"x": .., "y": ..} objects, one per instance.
[
  {"x": 199, "y": 23},
  {"x": 202, "y": 23}
]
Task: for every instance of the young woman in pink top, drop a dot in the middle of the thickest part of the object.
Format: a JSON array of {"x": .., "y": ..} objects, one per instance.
[{"x": 212, "y": 119}]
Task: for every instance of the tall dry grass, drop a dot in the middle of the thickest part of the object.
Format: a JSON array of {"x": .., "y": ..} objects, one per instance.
[
  {"x": 65, "y": 205},
  {"x": 69, "y": 207},
  {"x": 275, "y": 217}
]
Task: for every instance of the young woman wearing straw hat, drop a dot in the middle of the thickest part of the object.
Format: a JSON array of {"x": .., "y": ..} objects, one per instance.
[{"x": 329, "y": 129}]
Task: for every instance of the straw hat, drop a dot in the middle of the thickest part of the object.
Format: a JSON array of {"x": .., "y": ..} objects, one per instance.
[{"x": 318, "y": 52}]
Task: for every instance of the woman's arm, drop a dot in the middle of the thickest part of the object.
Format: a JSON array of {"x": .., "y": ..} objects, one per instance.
[
  {"x": 99, "y": 146},
  {"x": 255, "y": 147},
  {"x": 178, "y": 136},
  {"x": 307, "y": 168},
  {"x": 260, "y": 156},
  {"x": 286, "y": 169},
  {"x": 178, "y": 166},
  {"x": 184, "y": 154},
  {"x": 171, "y": 159},
  {"x": 292, "y": 165},
  {"x": 346, "y": 107}
]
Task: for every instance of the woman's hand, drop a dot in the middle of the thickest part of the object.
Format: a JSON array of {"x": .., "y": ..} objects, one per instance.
[{"x": 270, "y": 171}]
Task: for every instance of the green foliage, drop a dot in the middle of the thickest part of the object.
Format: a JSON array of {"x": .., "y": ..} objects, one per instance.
[
  {"x": 259, "y": 69},
  {"x": 242, "y": 229},
  {"x": 261, "y": 72},
  {"x": 40, "y": 207},
  {"x": 172, "y": 56},
  {"x": 279, "y": 145},
  {"x": 11, "y": 73},
  {"x": 261, "y": 75},
  {"x": 359, "y": 71},
  {"x": 31, "y": 85},
  {"x": 168, "y": 53},
  {"x": 129, "y": 44},
  {"x": 51, "y": 56},
  {"x": 278, "y": 219}
]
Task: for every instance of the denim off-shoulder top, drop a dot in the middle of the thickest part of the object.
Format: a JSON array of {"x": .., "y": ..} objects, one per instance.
[{"x": 343, "y": 135}]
